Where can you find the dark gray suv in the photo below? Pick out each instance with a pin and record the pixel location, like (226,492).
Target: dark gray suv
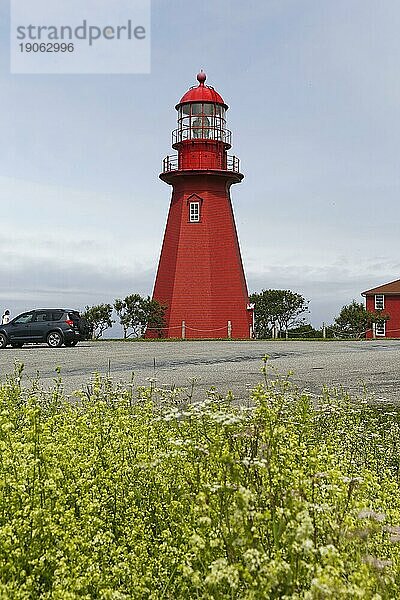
(56,326)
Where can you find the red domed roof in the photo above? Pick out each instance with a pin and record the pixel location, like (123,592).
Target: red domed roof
(202,93)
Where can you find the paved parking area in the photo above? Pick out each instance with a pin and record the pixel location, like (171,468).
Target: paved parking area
(372,366)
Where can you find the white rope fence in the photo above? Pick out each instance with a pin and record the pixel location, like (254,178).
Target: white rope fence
(183,328)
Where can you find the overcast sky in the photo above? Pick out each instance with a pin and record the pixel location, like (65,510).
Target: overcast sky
(314,93)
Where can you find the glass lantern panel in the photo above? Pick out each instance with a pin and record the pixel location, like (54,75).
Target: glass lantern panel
(185,122)
(209,109)
(197,108)
(219,123)
(201,126)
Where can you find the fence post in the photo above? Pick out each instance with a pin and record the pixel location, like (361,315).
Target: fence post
(183,330)
(374,330)
(323,331)
(229,329)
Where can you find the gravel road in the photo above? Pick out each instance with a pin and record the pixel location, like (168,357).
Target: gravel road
(232,365)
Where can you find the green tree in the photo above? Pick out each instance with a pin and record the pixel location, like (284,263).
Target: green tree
(305,331)
(138,313)
(155,316)
(99,318)
(277,307)
(354,320)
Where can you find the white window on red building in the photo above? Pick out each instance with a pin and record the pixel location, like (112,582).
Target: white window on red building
(379,301)
(194,212)
(380,328)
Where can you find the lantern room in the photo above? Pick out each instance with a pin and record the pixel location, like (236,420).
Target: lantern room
(201,137)
(201,115)
(201,121)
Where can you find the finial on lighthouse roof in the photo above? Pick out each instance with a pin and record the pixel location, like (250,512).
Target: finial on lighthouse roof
(201,93)
(201,77)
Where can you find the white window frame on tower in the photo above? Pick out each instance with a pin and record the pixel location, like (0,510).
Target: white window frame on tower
(380,329)
(194,212)
(379,301)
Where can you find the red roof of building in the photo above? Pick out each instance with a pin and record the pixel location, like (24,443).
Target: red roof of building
(388,288)
(202,93)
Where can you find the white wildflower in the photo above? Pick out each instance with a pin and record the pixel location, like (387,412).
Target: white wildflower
(222,572)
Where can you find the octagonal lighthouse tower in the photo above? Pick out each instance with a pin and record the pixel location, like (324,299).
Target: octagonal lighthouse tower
(200,275)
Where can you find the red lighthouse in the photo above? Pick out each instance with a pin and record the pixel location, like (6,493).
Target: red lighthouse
(200,275)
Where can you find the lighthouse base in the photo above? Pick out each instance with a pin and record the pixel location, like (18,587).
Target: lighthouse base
(200,276)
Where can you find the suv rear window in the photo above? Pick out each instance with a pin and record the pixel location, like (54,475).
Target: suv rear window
(56,315)
(75,316)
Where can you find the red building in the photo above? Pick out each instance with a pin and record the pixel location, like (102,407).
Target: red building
(200,275)
(385,298)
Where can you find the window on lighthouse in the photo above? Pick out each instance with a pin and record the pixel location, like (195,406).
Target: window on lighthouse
(194,212)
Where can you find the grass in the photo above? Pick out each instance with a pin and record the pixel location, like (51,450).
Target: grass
(142,493)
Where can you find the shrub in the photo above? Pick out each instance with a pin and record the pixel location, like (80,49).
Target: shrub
(144,493)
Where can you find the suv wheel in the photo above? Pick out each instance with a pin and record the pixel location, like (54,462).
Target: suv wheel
(3,340)
(54,339)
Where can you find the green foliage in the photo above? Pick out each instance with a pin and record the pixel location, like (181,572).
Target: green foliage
(305,331)
(155,316)
(144,494)
(138,313)
(99,318)
(277,307)
(354,320)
